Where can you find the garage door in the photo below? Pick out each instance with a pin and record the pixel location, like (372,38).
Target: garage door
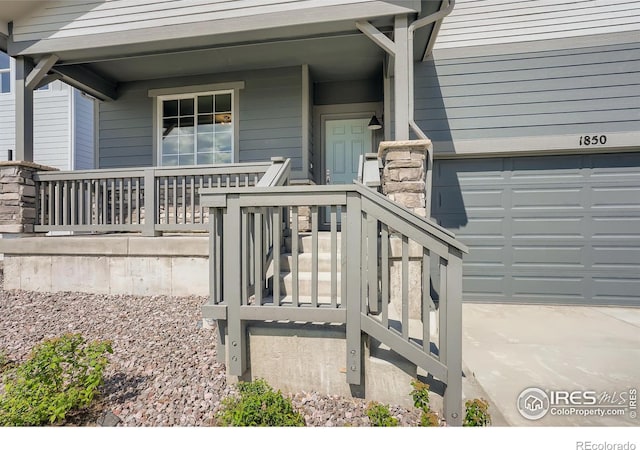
(560,229)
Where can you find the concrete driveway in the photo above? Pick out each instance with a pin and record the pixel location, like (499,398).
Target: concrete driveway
(576,356)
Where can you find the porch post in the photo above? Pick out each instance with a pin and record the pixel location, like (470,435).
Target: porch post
(401,78)
(24,110)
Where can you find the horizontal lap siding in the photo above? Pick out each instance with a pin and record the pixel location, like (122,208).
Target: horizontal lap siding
(270,118)
(51,125)
(7,126)
(547,93)
(560,229)
(71,19)
(84,132)
(487,22)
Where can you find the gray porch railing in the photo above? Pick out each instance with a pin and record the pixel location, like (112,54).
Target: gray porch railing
(370,238)
(148,200)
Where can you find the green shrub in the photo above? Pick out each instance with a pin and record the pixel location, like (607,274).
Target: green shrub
(380,416)
(477,413)
(420,396)
(4,361)
(60,375)
(258,405)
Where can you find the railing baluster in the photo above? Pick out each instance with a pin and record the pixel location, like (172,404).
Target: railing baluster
(442,314)
(105,199)
(90,194)
(343,255)
(384,246)
(81,201)
(426,300)
(174,185)
(334,256)
(138,206)
(372,263)
(259,249)
(112,217)
(200,202)
(121,199)
(184,199)
(277,228)
(244,223)
(192,200)
(166,200)
(129,218)
(314,256)
(73,199)
(294,257)
(57,203)
(405,287)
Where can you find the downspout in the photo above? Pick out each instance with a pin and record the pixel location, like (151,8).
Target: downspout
(431,18)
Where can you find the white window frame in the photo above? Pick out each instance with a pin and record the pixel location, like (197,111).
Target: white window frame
(159,95)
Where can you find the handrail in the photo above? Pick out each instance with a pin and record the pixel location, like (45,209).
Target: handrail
(256,274)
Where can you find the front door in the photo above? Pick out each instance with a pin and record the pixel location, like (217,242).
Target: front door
(345,141)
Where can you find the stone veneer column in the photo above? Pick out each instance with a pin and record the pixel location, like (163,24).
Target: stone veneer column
(18,196)
(404,176)
(405,180)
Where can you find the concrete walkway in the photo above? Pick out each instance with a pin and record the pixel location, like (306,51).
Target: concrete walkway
(509,348)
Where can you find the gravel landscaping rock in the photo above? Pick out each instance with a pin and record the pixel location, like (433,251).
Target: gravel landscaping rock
(163,370)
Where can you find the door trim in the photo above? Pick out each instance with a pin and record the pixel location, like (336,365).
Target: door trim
(336,112)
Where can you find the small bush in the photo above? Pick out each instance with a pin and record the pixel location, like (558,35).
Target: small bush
(420,395)
(380,416)
(60,375)
(258,405)
(4,361)
(477,413)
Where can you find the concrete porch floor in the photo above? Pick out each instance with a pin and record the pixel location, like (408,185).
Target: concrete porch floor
(509,348)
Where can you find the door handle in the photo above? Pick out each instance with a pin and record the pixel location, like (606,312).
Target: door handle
(328,177)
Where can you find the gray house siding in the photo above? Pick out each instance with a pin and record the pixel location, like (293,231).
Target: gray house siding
(83,131)
(487,22)
(270,122)
(548,99)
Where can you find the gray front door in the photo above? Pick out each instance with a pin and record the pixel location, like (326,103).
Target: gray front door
(345,141)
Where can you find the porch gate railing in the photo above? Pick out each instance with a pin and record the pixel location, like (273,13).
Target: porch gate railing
(147,200)
(376,237)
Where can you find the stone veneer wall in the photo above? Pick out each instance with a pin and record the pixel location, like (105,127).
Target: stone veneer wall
(18,196)
(404,176)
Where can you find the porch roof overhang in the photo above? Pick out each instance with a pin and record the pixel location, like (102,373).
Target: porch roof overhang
(332,46)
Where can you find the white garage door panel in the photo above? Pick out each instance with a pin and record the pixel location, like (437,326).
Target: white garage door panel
(561,229)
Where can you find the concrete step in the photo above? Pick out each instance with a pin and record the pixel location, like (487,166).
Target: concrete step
(305,262)
(305,242)
(304,283)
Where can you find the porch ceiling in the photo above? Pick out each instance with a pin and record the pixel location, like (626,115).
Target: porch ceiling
(348,56)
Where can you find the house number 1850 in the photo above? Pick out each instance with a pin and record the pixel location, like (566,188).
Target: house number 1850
(593,140)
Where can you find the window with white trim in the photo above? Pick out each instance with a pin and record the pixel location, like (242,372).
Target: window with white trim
(196,128)
(5,73)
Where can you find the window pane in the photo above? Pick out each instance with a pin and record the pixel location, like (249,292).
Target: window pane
(170,127)
(223,118)
(205,123)
(223,142)
(4,61)
(186,107)
(205,142)
(170,108)
(205,104)
(223,158)
(186,125)
(170,145)
(223,103)
(5,82)
(186,144)
(186,160)
(169,160)
(205,158)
